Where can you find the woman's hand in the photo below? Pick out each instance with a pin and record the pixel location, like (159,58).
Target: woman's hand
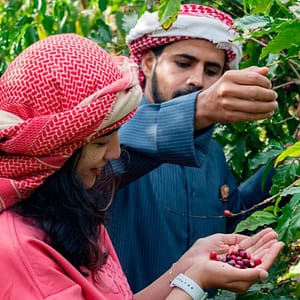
(215,274)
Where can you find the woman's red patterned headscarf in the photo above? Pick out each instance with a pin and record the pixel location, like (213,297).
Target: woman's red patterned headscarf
(55,97)
(193,21)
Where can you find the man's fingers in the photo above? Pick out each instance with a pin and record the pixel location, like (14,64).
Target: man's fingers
(247,92)
(248,106)
(230,117)
(263,71)
(260,70)
(249,77)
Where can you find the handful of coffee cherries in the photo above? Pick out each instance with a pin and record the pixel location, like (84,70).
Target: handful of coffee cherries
(237,258)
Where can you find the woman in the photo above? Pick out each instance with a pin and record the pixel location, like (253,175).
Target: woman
(61,103)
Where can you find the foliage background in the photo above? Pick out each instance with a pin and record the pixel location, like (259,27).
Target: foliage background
(270,36)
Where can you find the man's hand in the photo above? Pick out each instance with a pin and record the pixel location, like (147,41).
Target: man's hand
(239,95)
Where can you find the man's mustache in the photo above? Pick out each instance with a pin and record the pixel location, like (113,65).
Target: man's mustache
(185,91)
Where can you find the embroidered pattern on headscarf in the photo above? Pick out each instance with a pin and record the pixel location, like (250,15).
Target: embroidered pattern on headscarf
(56,96)
(193,21)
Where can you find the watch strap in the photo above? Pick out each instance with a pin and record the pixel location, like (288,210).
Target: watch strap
(189,286)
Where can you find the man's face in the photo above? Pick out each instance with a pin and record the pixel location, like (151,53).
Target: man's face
(183,67)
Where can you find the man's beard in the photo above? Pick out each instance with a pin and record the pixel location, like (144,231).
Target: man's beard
(158,96)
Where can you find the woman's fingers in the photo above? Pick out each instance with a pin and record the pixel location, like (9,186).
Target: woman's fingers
(259,240)
(270,256)
(234,279)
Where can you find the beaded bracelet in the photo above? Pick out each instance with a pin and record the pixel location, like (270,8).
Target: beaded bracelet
(171,271)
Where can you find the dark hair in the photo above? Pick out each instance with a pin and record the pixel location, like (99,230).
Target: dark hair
(70,215)
(158,50)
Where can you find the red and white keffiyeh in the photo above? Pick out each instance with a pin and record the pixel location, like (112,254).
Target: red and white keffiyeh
(193,21)
(56,96)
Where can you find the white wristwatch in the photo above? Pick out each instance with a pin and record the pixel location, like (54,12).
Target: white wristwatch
(189,286)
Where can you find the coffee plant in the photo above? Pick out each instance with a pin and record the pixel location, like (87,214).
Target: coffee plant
(269,31)
(270,37)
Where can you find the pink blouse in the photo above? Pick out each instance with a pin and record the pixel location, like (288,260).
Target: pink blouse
(31,269)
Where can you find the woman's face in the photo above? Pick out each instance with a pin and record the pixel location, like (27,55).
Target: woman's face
(95,155)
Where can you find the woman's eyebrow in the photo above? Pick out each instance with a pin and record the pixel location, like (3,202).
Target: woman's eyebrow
(110,132)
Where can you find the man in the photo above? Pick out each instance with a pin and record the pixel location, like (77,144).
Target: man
(157,217)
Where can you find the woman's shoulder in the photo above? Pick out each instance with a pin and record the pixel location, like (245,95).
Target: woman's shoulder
(16,278)
(16,226)
(17,236)
(31,265)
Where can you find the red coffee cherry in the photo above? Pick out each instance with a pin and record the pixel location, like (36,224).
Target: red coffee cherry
(213,255)
(227,212)
(237,258)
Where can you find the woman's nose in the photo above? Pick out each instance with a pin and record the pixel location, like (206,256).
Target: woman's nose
(113,150)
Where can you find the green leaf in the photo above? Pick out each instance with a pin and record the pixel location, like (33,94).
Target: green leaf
(103,31)
(285,175)
(102,4)
(251,22)
(128,21)
(264,157)
(272,63)
(292,151)
(289,221)
(291,191)
(256,220)
(260,6)
(167,12)
(294,271)
(47,23)
(295,9)
(287,36)
(40,5)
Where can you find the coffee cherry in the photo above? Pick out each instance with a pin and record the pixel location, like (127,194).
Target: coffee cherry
(257,261)
(227,212)
(237,258)
(213,255)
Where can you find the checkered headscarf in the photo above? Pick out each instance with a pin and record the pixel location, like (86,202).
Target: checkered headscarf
(193,21)
(56,96)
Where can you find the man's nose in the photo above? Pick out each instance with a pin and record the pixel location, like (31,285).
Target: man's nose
(196,78)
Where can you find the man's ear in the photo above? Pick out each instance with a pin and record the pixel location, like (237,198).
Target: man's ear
(148,63)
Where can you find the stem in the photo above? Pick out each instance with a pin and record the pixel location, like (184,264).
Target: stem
(83,4)
(290,62)
(285,84)
(266,201)
(284,121)
(294,63)
(257,41)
